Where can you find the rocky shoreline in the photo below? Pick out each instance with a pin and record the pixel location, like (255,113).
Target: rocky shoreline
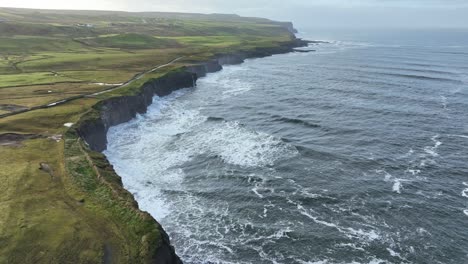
(93,127)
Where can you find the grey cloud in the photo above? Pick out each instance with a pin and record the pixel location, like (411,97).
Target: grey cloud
(318,13)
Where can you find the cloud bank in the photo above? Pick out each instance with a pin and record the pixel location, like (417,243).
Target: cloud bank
(306,13)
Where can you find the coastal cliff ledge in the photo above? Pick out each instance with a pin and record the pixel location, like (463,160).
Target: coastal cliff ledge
(90,134)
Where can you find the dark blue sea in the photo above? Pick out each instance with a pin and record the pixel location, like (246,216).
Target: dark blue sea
(354,153)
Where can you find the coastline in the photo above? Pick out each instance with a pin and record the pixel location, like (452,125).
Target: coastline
(117,110)
(92,129)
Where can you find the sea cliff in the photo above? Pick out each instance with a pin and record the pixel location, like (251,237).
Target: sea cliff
(117,110)
(94,126)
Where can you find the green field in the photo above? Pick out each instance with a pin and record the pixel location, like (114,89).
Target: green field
(74,209)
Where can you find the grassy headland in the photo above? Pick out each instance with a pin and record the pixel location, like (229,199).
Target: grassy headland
(59,201)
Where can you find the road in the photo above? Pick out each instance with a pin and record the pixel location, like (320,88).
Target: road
(110,89)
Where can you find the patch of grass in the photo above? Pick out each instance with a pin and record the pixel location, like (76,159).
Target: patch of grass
(27,44)
(40,222)
(37,95)
(108,59)
(131,41)
(18,26)
(99,76)
(48,121)
(32,78)
(230,41)
(209,41)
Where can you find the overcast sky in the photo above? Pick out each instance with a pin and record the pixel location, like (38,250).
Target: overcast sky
(305,13)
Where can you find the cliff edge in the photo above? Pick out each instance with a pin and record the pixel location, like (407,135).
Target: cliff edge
(113,111)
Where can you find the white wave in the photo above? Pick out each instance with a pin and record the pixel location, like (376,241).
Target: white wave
(430,195)
(227,87)
(408,154)
(351,43)
(397,186)
(236,145)
(465,193)
(265,212)
(335,46)
(255,190)
(230,141)
(436,141)
(352,233)
(414,172)
(353,246)
(460,136)
(367,235)
(306,193)
(393,253)
(316,220)
(379,261)
(397,182)
(466,212)
(424,162)
(444,101)
(236,87)
(423,231)
(431,152)
(313,262)
(326,261)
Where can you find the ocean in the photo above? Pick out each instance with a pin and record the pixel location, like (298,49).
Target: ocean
(354,153)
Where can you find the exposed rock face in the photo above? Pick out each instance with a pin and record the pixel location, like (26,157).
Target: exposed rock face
(118,110)
(200,70)
(230,59)
(166,253)
(94,133)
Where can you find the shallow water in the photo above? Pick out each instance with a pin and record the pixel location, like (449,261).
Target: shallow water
(356,153)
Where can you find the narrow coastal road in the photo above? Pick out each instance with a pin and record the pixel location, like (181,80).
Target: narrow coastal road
(137,77)
(110,89)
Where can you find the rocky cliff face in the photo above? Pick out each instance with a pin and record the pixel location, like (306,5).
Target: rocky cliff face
(200,70)
(117,110)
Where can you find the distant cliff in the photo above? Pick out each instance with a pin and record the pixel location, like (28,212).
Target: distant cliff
(289,26)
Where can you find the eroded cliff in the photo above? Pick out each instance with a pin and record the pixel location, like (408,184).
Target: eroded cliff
(93,127)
